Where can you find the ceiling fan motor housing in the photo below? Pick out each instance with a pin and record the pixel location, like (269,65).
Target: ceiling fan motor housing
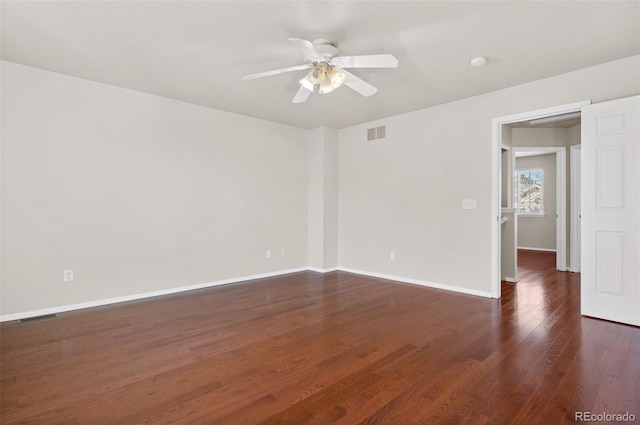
(325,47)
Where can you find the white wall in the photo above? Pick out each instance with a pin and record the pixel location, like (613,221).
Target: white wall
(404,193)
(315,219)
(573,135)
(323,199)
(540,137)
(138,193)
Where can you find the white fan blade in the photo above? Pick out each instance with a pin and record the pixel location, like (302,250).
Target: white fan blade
(308,49)
(277,71)
(365,61)
(302,95)
(358,84)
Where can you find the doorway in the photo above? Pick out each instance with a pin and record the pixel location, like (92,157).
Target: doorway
(496,192)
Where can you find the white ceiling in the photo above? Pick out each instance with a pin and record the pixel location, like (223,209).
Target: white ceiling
(198,51)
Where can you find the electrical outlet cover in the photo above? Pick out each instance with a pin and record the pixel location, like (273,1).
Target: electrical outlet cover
(68,275)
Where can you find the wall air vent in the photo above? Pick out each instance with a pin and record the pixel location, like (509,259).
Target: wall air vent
(376,133)
(37,318)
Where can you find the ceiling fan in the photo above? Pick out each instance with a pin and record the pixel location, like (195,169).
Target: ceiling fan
(327,71)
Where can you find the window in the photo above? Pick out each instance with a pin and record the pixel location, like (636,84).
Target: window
(529,193)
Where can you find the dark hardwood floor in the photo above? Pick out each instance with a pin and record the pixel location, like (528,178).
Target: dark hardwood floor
(326,349)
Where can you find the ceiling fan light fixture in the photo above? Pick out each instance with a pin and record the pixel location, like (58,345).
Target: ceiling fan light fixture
(318,74)
(306,83)
(326,86)
(336,77)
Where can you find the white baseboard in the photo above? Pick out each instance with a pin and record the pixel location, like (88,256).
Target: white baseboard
(420,282)
(319,270)
(107,301)
(536,249)
(510,279)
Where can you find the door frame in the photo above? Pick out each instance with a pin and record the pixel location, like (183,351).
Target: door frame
(496,165)
(576,169)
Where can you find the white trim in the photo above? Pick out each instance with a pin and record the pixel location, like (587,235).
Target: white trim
(510,279)
(107,301)
(496,142)
(496,204)
(528,248)
(319,270)
(575,169)
(531,215)
(509,171)
(528,153)
(457,289)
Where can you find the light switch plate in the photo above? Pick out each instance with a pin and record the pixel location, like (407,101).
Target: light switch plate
(469,204)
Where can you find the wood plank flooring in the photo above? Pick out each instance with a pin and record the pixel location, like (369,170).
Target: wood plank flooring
(337,348)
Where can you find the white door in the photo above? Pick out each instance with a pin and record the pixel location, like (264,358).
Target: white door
(610,210)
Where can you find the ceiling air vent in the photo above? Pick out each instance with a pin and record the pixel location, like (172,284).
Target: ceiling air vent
(376,133)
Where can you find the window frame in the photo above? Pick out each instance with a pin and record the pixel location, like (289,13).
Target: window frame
(517,191)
